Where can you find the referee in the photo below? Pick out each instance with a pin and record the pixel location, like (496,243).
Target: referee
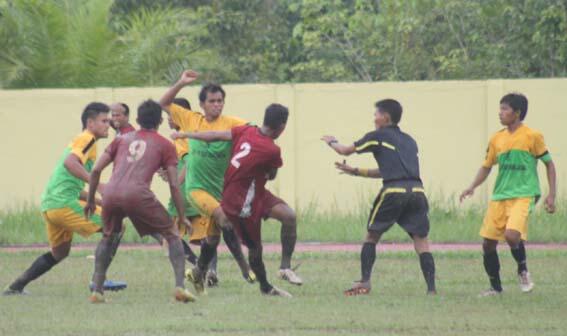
(402,199)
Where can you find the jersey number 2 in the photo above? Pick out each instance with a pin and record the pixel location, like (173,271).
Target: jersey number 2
(244,150)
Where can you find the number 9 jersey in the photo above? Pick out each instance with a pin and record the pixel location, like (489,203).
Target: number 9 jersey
(253,157)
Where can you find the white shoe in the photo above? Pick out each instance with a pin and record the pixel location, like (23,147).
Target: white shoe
(289,275)
(490,292)
(526,284)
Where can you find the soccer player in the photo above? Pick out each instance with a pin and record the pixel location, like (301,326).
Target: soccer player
(120,113)
(516,150)
(137,156)
(255,158)
(208,163)
(63,199)
(402,198)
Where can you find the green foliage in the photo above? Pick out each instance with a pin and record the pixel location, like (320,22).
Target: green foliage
(86,43)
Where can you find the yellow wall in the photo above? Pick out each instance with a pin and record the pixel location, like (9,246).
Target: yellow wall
(451,122)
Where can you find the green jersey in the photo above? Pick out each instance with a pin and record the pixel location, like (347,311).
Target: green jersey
(208,163)
(517,155)
(63,189)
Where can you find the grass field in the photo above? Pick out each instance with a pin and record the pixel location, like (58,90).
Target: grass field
(449,223)
(397,306)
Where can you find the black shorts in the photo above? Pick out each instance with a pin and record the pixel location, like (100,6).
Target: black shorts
(406,206)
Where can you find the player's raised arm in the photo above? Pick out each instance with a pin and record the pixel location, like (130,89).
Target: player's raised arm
(204,136)
(341,149)
(187,77)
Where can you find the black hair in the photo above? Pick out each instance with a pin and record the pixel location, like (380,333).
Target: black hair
(275,116)
(182,102)
(392,107)
(149,114)
(212,88)
(92,110)
(518,102)
(126,109)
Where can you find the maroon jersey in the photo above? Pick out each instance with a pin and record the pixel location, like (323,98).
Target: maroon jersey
(253,156)
(137,156)
(125,130)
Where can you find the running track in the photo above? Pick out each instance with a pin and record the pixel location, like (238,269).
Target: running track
(303,247)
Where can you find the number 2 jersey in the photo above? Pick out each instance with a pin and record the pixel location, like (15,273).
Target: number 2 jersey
(253,156)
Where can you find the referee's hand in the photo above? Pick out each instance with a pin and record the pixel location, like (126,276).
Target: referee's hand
(345,168)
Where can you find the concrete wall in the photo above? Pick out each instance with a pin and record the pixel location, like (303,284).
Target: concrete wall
(451,121)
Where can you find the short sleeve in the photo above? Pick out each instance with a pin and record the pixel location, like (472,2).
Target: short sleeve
(368,143)
(539,149)
(235,122)
(276,161)
(169,155)
(83,146)
(112,149)
(236,132)
(490,158)
(185,119)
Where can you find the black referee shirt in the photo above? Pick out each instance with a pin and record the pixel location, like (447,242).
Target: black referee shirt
(394,151)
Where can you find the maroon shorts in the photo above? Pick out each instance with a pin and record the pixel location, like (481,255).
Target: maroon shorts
(144,210)
(249,229)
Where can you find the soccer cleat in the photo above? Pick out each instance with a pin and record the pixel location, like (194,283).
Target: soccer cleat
(12,292)
(289,275)
(274,291)
(97,297)
(110,285)
(191,259)
(358,288)
(194,276)
(490,292)
(211,279)
(183,295)
(250,277)
(526,284)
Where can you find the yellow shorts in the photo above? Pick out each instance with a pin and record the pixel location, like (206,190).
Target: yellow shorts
(199,225)
(62,223)
(510,214)
(206,204)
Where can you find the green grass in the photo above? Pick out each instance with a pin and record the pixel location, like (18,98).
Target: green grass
(397,305)
(449,223)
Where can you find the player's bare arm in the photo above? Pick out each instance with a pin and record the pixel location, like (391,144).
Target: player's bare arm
(84,195)
(481,176)
(187,77)
(176,196)
(94,181)
(341,149)
(552,182)
(355,171)
(76,168)
(204,136)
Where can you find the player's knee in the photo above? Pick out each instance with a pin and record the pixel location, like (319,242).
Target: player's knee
(213,240)
(290,218)
(489,245)
(372,237)
(512,237)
